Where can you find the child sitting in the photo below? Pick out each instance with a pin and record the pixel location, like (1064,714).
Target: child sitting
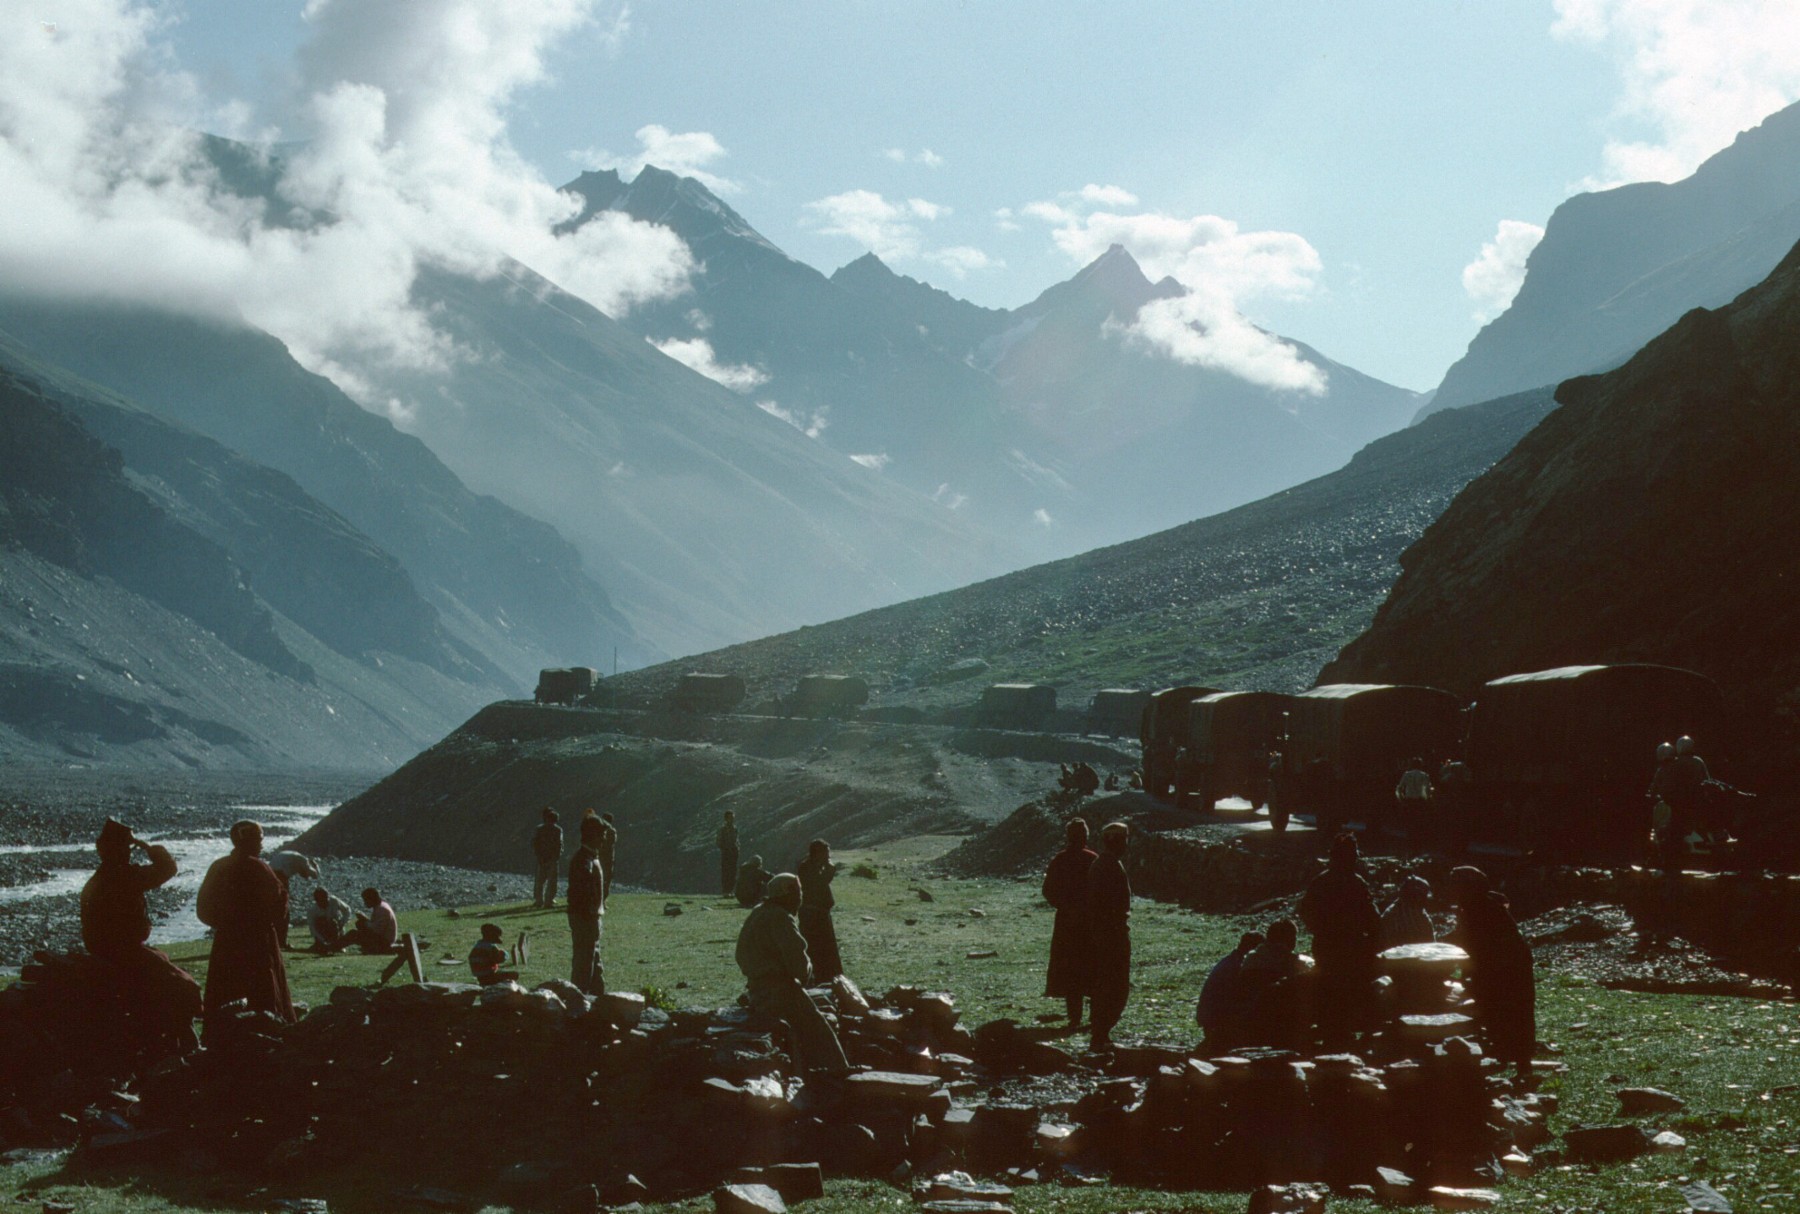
(486,958)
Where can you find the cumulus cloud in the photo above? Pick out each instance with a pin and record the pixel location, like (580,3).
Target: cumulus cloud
(1041,517)
(1695,73)
(891,229)
(696,353)
(877,461)
(812,425)
(684,153)
(406,165)
(1222,268)
(1494,277)
(924,156)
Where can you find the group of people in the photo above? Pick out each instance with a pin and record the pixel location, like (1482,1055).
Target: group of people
(589,881)
(1267,993)
(1090,942)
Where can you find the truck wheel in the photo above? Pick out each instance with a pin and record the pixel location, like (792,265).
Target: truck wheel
(1278,820)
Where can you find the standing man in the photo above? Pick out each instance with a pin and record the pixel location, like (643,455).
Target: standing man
(586,905)
(1339,911)
(162,998)
(727,840)
(546,848)
(609,848)
(1499,974)
(1109,936)
(816,901)
(242,901)
(1412,798)
(1065,889)
(772,955)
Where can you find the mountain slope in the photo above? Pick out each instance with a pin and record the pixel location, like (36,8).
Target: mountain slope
(1618,267)
(1255,597)
(507,586)
(1651,518)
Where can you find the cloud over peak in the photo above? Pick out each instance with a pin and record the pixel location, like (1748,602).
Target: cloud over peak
(891,229)
(684,153)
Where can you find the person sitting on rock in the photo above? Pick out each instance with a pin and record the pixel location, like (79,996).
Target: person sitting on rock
(772,955)
(160,997)
(327,919)
(752,882)
(1276,986)
(1407,921)
(377,930)
(488,957)
(1223,1003)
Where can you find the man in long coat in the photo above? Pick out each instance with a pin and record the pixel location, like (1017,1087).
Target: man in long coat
(816,900)
(241,899)
(772,955)
(162,998)
(1340,912)
(1065,889)
(1109,936)
(1500,977)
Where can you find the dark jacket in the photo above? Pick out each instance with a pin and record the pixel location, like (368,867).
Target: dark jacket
(770,949)
(815,883)
(586,892)
(547,842)
(1065,888)
(114,912)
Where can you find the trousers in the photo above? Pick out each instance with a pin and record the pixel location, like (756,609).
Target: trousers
(815,1045)
(585,969)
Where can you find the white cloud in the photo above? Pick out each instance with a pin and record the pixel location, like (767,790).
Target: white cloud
(949,497)
(1005,221)
(924,156)
(891,229)
(406,165)
(684,153)
(877,462)
(696,353)
(1695,73)
(1222,267)
(1494,277)
(812,425)
(1041,517)
(1107,195)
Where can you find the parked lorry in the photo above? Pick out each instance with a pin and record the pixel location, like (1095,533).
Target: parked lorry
(827,695)
(708,693)
(1231,736)
(1162,732)
(1348,743)
(1116,711)
(1016,705)
(566,684)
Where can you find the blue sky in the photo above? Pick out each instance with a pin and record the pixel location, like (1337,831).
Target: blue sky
(1384,140)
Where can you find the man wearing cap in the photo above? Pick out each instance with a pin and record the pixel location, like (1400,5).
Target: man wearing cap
(241,899)
(586,905)
(1109,936)
(161,997)
(772,955)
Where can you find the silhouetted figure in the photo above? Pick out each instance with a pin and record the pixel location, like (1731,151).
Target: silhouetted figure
(1339,911)
(772,955)
(727,841)
(487,960)
(291,866)
(816,900)
(1066,889)
(1109,936)
(1412,804)
(1277,984)
(161,998)
(752,882)
(242,901)
(1224,997)
(546,849)
(586,906)
(328,919)
(1455,798)
(1407,921)
(609,851)
(1499,975)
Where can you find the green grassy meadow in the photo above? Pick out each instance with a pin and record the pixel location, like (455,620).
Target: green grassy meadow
(1736,1062)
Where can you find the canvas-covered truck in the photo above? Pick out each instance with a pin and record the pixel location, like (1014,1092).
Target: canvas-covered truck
(1562,758)
(1348,743)
(1162,731)
(566,684)
(1230,737)
(1115,711)
(827,695)
(1016,705)
(708,693)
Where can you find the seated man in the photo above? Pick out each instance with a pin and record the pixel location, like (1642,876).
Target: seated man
(1277,990)
(327,920)
(378,931)
(772,955)
(161,998)
(488,957)
(1220,1011)
(752,881)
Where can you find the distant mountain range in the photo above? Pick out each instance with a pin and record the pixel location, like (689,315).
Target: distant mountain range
(1618,267)
(1652,517)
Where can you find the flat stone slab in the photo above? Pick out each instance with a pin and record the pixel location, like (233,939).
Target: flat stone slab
(1702,1198)
(1635,1102)
(1434,954)
(748,1199)
(894,1085)
(1443,1197)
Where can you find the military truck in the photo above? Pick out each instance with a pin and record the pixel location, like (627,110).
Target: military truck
(709,693)
(566,685)
(1562,758)
(1230,736)
(1016,705)
(1116,711)
(1348,743)
(827,695)
(1162,731)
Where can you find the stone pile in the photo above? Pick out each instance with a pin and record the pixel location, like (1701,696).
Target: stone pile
(549,1099)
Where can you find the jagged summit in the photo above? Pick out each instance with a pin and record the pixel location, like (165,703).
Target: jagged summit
(1113,282)
(683,204)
